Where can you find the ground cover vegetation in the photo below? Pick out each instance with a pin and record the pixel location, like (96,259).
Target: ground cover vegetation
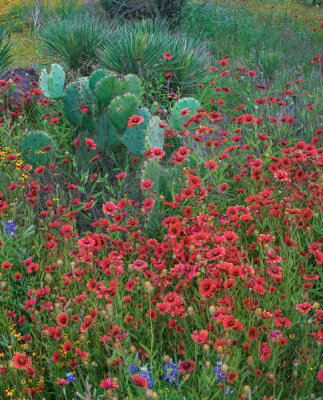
(161,200)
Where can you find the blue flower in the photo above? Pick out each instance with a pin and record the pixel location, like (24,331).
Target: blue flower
(133,369)
(10,228)
(70,377)
(145,374)
(227,390)
(171,372)
(220,374)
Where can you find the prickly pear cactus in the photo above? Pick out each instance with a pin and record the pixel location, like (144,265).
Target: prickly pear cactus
(177,119)
(154,134)
(121,109)
(134,138)
(52,84)
(37,148)
(110,86)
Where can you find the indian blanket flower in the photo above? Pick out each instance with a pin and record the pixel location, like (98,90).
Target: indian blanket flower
(135,120)
(304,308)
(139,381)
(186,366)
(62,319)
(20,361)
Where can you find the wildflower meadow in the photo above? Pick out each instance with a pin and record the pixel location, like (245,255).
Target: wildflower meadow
(161,220)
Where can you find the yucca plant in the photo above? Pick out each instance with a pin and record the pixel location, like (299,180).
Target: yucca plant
(134,52)
(138,48)
(5,53)
(74,42)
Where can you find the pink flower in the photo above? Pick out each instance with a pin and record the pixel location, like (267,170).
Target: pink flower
(90,143)
(186,366)
(109,208)
(146,184)
(135,120)
(108,384)
(121,176)
(168,56)
(200,337)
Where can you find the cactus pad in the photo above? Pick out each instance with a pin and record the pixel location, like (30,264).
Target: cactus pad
(121,109)
(52,84)
(177,120)
(154,134)
(37,148)
(134,138)
(96,77)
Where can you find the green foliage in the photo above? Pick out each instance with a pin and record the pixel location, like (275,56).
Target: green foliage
(73,42)
(269,63)
(33,148)
(6,47)
(52,85)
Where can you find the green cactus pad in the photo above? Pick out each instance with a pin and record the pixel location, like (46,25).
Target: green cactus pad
(132,84)
(121,109)
(108,88)
(52,84)
(107,134)
(178,120)
(151,171)
(154,134)
(96,77)
(134,138)
(32,148)
(79,92)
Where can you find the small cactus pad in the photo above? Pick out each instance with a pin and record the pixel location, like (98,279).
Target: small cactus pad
(177,120)
(154,134)
(37,148)
(108,88)
(79,92)
(121,109)
(134,138)
(96,77)
(52,85)
(132,84)
(107,133)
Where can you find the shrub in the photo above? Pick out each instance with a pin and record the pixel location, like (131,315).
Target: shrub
(129,8)
(5,53)
(170,9)
(73,42)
